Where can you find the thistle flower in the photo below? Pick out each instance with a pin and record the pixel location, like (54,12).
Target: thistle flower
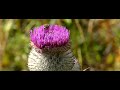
(51,50)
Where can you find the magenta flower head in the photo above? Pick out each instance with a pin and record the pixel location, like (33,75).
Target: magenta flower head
(49,36)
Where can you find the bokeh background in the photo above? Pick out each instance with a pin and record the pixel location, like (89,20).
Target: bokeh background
(95,42)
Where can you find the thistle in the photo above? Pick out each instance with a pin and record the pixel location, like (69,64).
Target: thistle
(51,49)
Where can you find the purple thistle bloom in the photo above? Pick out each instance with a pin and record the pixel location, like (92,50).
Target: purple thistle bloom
(51,49)
(49,36)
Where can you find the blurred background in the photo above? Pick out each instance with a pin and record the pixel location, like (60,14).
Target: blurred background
(95,42)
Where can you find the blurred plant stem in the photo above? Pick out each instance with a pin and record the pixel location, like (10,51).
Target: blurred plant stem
(90,25)
(82,38)
(2,43)
(80,29)
(90,29)
(117,60)
(4,33)
(80,58)
(1,49)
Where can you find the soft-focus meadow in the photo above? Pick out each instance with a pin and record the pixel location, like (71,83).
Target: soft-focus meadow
(95,42)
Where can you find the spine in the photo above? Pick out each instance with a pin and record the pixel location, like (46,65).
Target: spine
(52,62)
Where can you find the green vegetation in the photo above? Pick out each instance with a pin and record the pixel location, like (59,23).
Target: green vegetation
(95,42)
